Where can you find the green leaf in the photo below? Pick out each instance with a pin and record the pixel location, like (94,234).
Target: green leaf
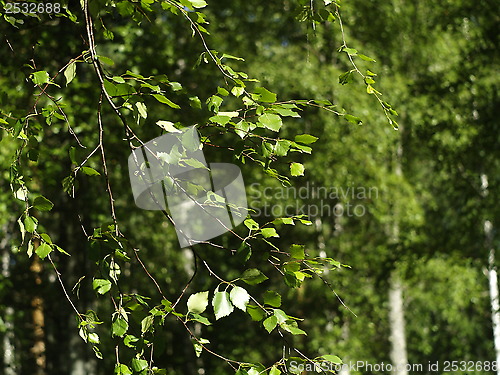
(164,100)
(168,126)
(118,79)
(40,78)
(346,77)
(139,364)
(43,250)
(143,110)
(30,223)
(198,3)
(332,358)
(106,60)
(271,121)
(366,58)
(201,319)
(272,298)
(90,171)
(280,314)
(222,305)
(285,112)
(264,95)
(240,298)
(46,238)
(214,103)
(130,341)
(350,51)
(195,102)
(256,313)
(219,119)
(284,220)
(274,371)
(270,323)
(292,329)
(70,72)
(269,232)
(122,369)
(198,345)
(176,86)
(30,249)
(237,91)
(61,250)
(281,147)
(253,276)
(291,280)
(297,169)
(42,204)
(94,338)
(241,128)
(232,57)
(101,286)
(297,251)
(222,91)
(147,323)
(251,224)
(306,138)
(119,327)
(198,302)
(353,119)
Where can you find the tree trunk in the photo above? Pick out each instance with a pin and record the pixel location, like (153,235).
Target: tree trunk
(399,357)
(492,277)
(495,306)
(397,323)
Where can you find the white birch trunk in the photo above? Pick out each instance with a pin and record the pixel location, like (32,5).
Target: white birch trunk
(492,278)
(398,355)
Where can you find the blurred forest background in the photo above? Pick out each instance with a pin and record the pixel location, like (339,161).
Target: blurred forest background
(420,244)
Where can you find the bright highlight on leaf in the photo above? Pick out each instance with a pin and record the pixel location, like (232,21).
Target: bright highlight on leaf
(70,72)
(271,121)
(143,110)
(198,3)
(168,126)
(101,286)
(297,169)
(269,232)
(198,302)
(251,224)
(239,297)
(222,305)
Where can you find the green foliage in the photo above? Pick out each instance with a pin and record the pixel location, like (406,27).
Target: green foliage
(66,113)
